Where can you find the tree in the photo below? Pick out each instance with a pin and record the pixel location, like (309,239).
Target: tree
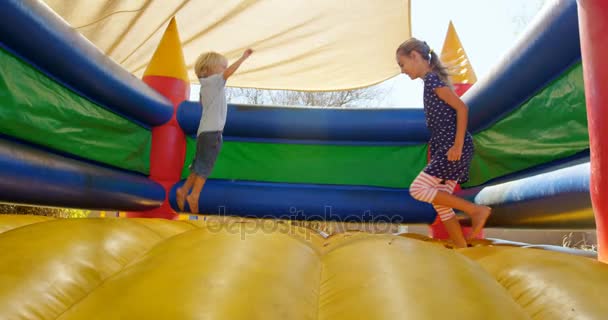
(349,98)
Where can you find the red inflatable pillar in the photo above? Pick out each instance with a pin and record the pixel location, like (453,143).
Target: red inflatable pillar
(167,74)
(593,29)
(462,77)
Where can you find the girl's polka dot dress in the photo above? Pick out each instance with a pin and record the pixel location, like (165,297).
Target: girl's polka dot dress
(441,122)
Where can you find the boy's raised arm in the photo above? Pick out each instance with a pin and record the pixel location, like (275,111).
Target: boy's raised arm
(233,67)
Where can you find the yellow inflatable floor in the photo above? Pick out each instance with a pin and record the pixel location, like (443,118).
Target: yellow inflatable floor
(158,269)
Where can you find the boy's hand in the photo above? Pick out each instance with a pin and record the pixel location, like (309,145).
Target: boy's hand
(230,70)
(247,53)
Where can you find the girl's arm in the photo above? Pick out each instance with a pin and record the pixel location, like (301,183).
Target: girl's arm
(233,67)
(462,113)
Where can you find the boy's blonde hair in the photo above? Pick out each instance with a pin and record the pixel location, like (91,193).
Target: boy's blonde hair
(206,62)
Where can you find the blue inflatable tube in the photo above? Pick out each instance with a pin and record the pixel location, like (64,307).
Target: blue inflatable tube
(33,176)
(547,49)
(558,182)
(558,200)
(33,32)
(321,125)
(310,202)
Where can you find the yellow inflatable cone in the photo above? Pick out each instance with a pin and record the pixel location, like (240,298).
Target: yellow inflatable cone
(455,58)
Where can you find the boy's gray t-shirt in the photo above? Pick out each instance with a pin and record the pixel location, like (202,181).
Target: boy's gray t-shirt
(213,100)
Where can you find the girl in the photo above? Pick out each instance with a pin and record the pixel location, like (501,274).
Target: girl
(450,144)
(212,70)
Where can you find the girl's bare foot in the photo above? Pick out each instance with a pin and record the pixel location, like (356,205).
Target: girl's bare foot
(193,202)
(478,220)
(180,196)
(452,226)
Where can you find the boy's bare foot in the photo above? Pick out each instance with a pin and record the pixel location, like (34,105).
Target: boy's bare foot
(478,220)
(193,202)
(180,196)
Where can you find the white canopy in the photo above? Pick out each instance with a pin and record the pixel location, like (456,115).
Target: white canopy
(299,44)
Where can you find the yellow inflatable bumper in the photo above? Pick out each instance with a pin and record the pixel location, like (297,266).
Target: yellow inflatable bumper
(159,269)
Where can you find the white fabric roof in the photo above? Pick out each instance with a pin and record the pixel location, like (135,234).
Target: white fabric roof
(300,44)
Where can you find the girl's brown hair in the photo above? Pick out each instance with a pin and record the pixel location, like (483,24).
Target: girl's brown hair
(425,51)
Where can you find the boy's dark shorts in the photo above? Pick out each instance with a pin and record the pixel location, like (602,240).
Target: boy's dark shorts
(208,145)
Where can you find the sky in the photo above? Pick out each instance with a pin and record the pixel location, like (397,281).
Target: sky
(487,30)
